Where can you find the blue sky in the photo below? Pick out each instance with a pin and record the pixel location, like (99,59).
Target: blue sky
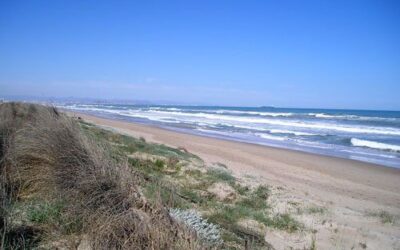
(330,54)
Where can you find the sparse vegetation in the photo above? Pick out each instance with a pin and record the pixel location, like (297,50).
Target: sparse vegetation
(313,243)
(384,216)
(186,188)
(216,174)
(363,245)
(315,210)
(117,190)
(285,222)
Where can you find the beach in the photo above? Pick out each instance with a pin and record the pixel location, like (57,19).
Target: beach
(351,193)
(364,135)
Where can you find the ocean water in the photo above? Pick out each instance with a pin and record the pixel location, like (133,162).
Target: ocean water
(364,135)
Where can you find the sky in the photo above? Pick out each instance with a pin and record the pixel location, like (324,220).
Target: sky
(312,54)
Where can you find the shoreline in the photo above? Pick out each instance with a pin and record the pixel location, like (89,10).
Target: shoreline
(363,136)
(335,151)
(271,147)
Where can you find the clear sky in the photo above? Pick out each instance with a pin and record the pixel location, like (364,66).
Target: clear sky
(337,54)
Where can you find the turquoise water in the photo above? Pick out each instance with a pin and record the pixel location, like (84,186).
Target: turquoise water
(365,135)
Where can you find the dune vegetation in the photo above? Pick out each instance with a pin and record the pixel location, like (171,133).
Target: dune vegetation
(69,184)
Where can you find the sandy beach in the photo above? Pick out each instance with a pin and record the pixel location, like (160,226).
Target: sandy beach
(351,195)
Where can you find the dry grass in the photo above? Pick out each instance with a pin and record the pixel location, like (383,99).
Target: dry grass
(44,154)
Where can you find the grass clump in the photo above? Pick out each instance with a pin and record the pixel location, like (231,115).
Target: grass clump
(228,215)
(285,222)
(384,216)
(132,145)
(252,203)
(261,192)
(316,210)
(242,190)
(220,175)
(159,164)
(45,212)
(191,195)
(253,206)
(257,199)
(314,243)
(169,196)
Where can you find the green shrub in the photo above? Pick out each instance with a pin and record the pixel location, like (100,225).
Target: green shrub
(285,222)
(262,192)
(159,164)
(242,190)
(315,210)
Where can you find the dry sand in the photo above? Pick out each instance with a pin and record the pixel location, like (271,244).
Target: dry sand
(336,199)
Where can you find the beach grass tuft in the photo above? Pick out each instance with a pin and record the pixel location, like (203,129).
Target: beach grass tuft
(315,210)
(384,216)
(220,175)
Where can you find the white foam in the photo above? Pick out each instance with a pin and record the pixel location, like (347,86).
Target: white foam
(245,127)
(273,114)
(279,131)
(161,108)
(238,120)
(354,117)
(369,154)
(322,115)
(270,137)
(374,144)
(297,124)
(88,108)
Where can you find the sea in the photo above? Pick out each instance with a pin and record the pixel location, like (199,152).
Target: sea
(363,135)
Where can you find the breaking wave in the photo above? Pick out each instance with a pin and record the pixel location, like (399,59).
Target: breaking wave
(374,145)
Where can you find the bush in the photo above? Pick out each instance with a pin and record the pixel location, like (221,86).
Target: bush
(159,164)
